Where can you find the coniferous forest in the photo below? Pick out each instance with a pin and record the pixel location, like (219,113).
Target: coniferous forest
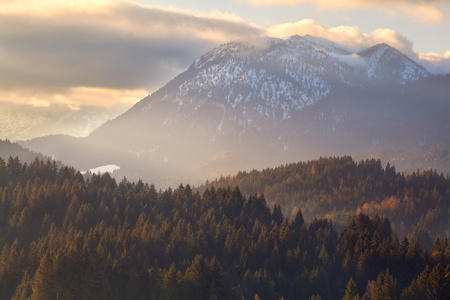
(64,236)
(417,204)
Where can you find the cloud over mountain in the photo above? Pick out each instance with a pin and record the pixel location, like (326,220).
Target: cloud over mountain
(120,45)
(112,53)
(353,37)
(347,36)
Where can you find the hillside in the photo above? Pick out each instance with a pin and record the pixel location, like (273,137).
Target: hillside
(9,149)
(66,238)
(417,204)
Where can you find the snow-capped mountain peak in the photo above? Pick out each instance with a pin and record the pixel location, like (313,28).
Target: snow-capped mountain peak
(252,85)
(225,51)
(242,106)
(384,61)
(327,45)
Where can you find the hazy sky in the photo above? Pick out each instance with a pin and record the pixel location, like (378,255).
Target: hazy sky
(113,53)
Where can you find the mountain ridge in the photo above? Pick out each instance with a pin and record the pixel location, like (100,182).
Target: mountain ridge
(243,106)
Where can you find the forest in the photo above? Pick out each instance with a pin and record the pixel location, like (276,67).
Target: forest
(417,204)
(64,236)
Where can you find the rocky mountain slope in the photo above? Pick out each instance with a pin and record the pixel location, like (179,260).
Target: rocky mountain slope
(242,106)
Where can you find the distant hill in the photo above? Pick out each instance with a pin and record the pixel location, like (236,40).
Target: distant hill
(9,149)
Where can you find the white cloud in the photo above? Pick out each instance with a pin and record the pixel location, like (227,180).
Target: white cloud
(436,63)
(427,11)
(423,12)
(36,102)
(349,37)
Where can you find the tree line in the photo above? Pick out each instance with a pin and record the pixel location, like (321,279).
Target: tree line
(63,236)
(416,203)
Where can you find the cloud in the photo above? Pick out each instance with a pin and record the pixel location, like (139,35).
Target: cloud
(344,3)
(341,2)
(106,53)
(422,12)
(54,47)
(426,11)
(436,63)
(349,37)
(75,97)
(35,102)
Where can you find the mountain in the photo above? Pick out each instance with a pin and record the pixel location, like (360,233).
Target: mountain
(243,106)
(387,63)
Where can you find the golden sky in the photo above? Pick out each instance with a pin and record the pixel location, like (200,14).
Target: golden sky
(113,53)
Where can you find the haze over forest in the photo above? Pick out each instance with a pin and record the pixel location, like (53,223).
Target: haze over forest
(243,106)
(67,68)
(244,149)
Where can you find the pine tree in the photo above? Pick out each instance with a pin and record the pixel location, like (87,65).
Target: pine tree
(298,220)
(196,279)
(171,283)
(23,290)
(217,286)
(277,214)
(386,287)
(43,282)
(351,291)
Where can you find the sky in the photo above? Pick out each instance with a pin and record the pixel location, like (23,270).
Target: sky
(110,54)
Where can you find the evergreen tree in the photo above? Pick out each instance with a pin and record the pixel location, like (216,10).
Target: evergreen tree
(386,287)
(171,284)
(277,214)
(69,238)
(196,279)
(351,290)
(44,280)
(23,290)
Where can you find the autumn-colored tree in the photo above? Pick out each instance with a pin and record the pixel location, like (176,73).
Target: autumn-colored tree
(66,236)
(386,287)
(351,290)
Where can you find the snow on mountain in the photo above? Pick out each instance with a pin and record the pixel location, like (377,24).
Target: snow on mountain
(326,45)
(249,85)
(243,106)
(386,62)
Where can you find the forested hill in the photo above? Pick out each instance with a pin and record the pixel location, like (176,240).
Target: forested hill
(9,149)
(64,237)
(337,187)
